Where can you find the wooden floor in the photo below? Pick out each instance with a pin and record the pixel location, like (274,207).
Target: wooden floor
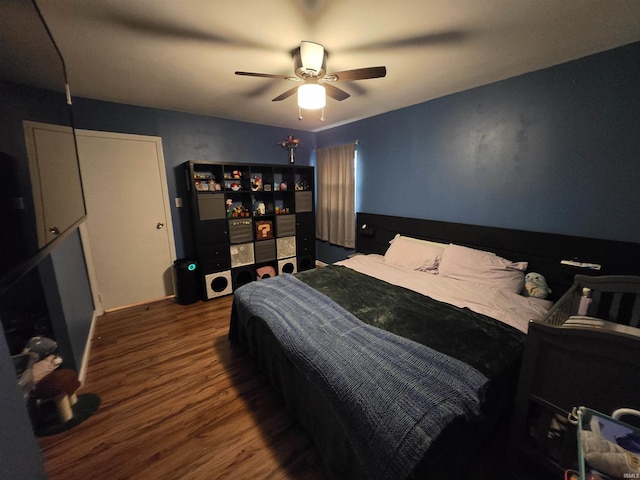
(178,402)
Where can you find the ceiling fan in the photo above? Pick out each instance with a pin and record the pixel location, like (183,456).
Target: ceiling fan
(310,68)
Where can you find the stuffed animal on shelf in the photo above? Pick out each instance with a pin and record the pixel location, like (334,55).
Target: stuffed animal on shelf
(536,285)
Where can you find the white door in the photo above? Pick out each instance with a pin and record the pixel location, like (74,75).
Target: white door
(130,247)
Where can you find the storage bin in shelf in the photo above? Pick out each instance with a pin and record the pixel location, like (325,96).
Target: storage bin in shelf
(241,254)
(304,202)
(211,207)
(286,247)
(241,230)
(265,251)
(218,284)
(285,225)
(287,265)
(264,229)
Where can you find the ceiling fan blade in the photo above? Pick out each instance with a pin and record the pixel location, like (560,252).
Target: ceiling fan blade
(335,92)
(268,75)
(312,56)
(357,74)
(450,37)
(286,94)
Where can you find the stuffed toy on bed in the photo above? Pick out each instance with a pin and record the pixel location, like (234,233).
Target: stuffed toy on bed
(536,285)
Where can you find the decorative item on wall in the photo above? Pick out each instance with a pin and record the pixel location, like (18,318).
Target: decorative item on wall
(290,144)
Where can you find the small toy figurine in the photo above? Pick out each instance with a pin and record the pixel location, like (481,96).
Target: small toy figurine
(229,204)
(536,285)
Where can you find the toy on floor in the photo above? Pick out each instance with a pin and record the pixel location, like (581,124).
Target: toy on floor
(42,346)
(59,386)
(48,359)
(45,381)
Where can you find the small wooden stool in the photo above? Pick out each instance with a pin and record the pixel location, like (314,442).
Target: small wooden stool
(59,386)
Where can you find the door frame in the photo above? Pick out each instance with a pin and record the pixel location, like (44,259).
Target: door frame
(84,229)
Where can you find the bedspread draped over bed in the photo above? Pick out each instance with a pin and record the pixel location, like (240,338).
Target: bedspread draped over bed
(382,358)
(393,401)
(394,367)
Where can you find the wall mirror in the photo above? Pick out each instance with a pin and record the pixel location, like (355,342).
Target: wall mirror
(40,187)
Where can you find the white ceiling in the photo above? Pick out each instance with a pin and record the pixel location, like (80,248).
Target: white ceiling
(182,54)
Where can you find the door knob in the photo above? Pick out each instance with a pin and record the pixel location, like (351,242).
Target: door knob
(54,230)
(159,225)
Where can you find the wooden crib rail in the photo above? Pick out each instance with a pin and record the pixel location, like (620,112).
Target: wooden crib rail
(615,298)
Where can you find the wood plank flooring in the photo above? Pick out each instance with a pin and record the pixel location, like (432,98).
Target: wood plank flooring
(178,402)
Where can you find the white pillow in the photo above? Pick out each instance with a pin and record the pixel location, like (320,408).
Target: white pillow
(469,264)
(419,240)
(414,254)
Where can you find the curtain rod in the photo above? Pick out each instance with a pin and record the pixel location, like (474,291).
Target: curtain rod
(356,142)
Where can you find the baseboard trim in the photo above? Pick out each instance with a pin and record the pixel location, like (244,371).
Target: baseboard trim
(87,349)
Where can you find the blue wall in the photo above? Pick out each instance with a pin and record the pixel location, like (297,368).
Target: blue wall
(557,150)
(553,151)
(74,290)
(192,137)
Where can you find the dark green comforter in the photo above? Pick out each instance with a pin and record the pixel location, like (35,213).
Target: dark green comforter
(486,344)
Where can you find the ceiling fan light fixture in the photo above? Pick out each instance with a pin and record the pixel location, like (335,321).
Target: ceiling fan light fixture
(312,96)
(313,57)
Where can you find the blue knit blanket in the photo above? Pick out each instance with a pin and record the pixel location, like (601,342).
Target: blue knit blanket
(392,396)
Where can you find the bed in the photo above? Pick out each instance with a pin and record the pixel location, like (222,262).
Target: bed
(399,365)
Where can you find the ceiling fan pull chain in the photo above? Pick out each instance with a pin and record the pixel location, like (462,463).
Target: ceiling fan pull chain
(322,115)
(300,113)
